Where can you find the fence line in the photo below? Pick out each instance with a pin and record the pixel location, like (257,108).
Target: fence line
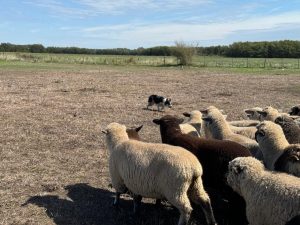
(200,61)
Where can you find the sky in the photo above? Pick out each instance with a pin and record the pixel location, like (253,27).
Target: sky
(146,23)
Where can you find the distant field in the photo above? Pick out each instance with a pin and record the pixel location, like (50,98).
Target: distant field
(198,61)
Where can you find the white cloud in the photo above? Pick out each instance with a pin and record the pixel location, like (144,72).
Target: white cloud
(167,33)
(111,7)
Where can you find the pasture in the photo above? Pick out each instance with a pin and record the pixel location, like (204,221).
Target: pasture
(121,60)
(53,161)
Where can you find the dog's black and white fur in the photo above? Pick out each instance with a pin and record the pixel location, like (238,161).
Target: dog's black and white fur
(160,101)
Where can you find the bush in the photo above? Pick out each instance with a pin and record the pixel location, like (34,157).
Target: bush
(184,53)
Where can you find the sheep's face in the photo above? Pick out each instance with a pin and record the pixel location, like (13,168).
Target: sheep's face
(240,169)
(295,110)
(282,120)
(268,113)
(253,113)
(267,131)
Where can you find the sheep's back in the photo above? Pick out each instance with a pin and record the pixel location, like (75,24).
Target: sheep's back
(214,156)
(151,169)
(277,195)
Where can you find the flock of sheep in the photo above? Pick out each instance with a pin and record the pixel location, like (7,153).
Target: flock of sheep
(249,170)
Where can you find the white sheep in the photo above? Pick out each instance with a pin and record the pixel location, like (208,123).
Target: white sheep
(195,119)
(253,118)
(273,145)
(245,131)
(270,113)
(219,128)
(156,171)
(188,129)
(252,113)
(272,198)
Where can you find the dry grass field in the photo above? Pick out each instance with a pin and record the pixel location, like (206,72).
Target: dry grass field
(53,161)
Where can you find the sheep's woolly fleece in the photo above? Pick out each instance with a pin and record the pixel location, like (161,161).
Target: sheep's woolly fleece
(271,197)
(156,171)
(272,142)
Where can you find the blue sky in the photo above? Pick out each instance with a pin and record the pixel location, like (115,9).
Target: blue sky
(146,23)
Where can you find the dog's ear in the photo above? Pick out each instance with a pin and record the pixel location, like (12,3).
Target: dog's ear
(156,121)
(186,114)
(138,128)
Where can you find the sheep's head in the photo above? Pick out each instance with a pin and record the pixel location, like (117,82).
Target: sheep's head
(195,114)
(253,113)
(270,135)
(115,133)
(133,132)
(268,113)
(295,110)
(241,169)
(168,119)
(168,125)
(284,119)
(212,115)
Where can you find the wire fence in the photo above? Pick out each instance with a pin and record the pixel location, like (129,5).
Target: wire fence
(199,61)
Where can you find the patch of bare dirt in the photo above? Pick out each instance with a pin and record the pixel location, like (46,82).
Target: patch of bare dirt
(53,162)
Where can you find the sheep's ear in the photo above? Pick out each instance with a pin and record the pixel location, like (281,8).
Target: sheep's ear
(207,119)
(222,111)
(237,169)
(156,121)
(295,117)
(248,111)
(186,114)
(204,111)
(181,120)
(263,113)
(138,128)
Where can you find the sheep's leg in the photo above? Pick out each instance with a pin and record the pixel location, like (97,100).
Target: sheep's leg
(136,204)
(199,196)
(149,104)
(182,203)
(117,199)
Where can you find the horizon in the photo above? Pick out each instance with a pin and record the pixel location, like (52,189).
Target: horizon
(146,23)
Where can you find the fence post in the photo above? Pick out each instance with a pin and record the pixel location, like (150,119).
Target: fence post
(247,62)
(298,63)
(265,62)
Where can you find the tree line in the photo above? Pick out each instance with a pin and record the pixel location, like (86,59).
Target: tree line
(263,49)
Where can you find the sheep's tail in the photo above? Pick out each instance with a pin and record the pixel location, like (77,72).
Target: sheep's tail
(198,195)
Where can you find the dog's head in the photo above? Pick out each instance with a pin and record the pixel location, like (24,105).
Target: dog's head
(168,102)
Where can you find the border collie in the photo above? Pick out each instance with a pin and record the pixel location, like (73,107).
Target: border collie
(160,101)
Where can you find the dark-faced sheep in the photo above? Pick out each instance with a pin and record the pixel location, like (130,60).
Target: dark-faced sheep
(290,128)
(214,156)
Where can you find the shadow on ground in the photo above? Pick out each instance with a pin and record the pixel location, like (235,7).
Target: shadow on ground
(89,205)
